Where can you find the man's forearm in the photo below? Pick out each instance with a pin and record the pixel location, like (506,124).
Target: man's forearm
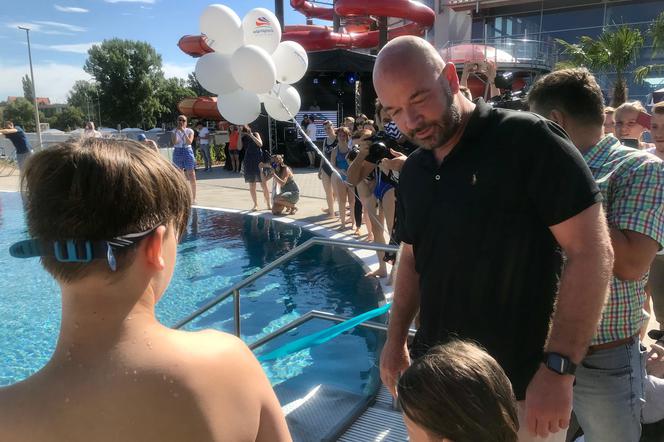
(406,302)
(583,290)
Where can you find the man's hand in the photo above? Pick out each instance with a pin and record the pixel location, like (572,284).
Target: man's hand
(548,402)
(394,360)
(655,362)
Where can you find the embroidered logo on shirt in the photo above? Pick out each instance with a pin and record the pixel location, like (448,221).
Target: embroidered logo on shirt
(474,180)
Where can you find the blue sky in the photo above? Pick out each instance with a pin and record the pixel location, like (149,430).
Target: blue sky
(63,30)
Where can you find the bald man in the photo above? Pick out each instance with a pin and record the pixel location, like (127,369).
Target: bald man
(485,206)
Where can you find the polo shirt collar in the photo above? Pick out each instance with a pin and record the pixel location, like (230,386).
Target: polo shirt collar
(597,155)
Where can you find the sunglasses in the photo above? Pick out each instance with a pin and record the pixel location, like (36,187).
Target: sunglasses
(79,251)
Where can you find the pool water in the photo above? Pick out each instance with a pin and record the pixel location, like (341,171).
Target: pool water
(218,250)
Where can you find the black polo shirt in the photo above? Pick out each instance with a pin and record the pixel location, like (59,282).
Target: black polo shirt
(479,224)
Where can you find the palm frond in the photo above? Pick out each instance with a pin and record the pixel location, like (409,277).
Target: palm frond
(656,32)
(642,72)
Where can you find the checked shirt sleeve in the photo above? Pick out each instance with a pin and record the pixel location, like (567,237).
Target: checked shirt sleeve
(638,202)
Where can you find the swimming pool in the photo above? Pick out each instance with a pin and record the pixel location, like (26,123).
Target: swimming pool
(218,250)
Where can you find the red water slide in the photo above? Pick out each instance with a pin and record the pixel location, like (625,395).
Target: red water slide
(360,15)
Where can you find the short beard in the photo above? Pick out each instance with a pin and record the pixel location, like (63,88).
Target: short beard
(444,129)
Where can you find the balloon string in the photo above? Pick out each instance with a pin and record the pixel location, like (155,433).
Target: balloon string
(324,158)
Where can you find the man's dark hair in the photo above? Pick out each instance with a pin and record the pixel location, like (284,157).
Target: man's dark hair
(98,189)
(459,392)
(574,92)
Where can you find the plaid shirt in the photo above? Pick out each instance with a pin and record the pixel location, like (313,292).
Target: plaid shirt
(632,185)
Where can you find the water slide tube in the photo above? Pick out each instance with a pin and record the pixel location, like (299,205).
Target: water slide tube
(201,107)
(358,35)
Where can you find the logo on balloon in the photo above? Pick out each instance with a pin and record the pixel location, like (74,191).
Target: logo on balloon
(262,21)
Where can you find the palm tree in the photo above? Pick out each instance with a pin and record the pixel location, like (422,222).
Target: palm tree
(613,50)
(656,33)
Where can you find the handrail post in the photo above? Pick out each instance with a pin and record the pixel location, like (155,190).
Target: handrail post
(236,311)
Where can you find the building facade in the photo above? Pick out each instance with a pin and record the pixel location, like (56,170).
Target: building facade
(506,23)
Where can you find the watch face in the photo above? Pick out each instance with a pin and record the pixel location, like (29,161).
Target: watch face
(557,363)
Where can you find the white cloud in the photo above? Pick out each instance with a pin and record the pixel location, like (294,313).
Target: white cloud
(147,2)
(52,80)
(77,48)
(71,9)
(66,26)
(177,70)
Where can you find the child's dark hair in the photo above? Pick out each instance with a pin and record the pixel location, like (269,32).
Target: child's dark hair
(457,391)
(98,189)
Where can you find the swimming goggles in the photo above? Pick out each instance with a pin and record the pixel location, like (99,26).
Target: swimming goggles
(78,250)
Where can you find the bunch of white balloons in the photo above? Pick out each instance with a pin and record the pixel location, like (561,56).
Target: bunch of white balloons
(247,62)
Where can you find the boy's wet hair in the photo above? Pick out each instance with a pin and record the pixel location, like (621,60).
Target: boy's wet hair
(98,189)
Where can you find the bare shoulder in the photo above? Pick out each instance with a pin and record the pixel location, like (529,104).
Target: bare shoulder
(19,412)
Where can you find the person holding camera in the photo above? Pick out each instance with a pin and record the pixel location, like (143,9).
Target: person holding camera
(254,155)
(486,69)
(289,191)
(378,163)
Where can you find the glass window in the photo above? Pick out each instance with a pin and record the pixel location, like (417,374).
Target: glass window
(573,18)
(571,36)
(513,25)
(477,31)
(629,12)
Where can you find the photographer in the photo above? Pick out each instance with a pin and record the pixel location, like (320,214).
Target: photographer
(484,68)
(379,159)
(289,191)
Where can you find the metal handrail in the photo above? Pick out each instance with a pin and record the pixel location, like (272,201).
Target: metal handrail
(316,314)
(234,291)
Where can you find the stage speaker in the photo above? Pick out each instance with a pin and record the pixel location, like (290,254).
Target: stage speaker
(290,134)
(294,154)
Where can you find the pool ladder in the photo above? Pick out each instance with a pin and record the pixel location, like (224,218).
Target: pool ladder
(234,291)
(381,421)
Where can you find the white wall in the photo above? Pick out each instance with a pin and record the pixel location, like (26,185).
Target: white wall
(452,26)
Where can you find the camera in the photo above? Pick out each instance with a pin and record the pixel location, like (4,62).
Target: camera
(380,147)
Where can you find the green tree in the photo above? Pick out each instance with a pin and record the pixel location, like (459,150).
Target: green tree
(170,92)
(70,118)
(27,88)
(656,33)
(612,51)
(129,74)
(22,113)
(194,85)
(83,95)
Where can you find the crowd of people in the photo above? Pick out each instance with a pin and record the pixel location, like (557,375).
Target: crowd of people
(530,248)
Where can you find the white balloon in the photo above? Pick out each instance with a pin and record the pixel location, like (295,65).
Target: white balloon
(253,69)
(290,98)
(239,107)
(291,62)
(213,72)
(222,28)
(261,28)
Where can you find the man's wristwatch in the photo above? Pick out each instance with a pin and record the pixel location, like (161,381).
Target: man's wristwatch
(558,363)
